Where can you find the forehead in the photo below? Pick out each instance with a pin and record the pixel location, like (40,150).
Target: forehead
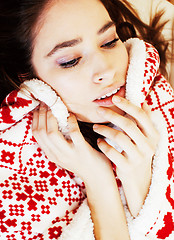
(66,17)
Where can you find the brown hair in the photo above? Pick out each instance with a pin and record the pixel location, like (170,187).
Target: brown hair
(16,31)
(18,19)
(16,35)
(129,25)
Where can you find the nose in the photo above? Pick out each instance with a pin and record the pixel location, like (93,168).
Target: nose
(102,69)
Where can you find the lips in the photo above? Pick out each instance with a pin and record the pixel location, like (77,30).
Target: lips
(106,100)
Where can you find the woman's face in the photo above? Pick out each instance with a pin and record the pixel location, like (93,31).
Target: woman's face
(77,52)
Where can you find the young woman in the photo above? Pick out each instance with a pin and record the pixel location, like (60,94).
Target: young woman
(102,182)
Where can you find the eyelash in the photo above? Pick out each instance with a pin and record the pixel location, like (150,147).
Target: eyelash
(71,63)
(75,61)
(110,44)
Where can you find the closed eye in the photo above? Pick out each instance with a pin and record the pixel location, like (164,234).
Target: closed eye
(71,63)
(75,61)
(110,44)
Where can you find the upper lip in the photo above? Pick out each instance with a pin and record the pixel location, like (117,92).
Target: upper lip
(108,90)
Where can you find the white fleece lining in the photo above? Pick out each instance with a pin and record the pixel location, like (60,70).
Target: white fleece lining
(81,227)
(43,92)
(137,57)
(153,203)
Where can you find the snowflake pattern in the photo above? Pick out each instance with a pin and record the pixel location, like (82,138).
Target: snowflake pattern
(37,191)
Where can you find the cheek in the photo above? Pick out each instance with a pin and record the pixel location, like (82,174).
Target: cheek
(121,58)
(66,83)
(67,87)
(124,59)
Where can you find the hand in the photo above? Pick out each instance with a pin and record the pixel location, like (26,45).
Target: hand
(138,140)
(94,168)
(76,155)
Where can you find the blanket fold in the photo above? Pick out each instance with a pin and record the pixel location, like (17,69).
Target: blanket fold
(40,200)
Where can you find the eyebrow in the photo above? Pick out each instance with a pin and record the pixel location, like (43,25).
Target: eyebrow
(106,27)
(74,42)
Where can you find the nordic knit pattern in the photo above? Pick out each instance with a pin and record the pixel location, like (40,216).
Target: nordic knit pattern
(42,201)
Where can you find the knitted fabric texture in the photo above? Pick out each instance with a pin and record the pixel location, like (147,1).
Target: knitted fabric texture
(40,200)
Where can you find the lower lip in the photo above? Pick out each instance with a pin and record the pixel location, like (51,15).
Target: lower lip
(107,102)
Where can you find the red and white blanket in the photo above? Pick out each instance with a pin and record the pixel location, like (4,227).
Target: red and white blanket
(40,200)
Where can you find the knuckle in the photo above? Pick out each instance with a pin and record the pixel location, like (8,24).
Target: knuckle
(141,113)
(117,134)
(42,112)
(110,114)
(128,123)
(51,133)
(41,131)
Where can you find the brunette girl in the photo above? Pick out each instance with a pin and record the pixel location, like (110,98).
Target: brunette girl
(109,175)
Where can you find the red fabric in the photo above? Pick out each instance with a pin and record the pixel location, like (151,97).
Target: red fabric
(37,198)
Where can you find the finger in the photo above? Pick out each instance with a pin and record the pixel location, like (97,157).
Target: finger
(35,120)
(117,158)
(146,108)
(52,124)
(141,116)
(118,137)
(45,130)
(153,134)
(48,137)
(127,125)
(41,130)
(53,134)
(74,131)
(142,119)
(136,112)
(41,140)
(36,128)
(42,126)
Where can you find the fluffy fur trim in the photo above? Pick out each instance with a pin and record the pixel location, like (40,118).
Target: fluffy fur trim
(44,93)
(134,83)
(155,199)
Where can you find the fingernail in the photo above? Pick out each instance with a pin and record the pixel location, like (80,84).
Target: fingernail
(99,140)
(95,126)
(116,99)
